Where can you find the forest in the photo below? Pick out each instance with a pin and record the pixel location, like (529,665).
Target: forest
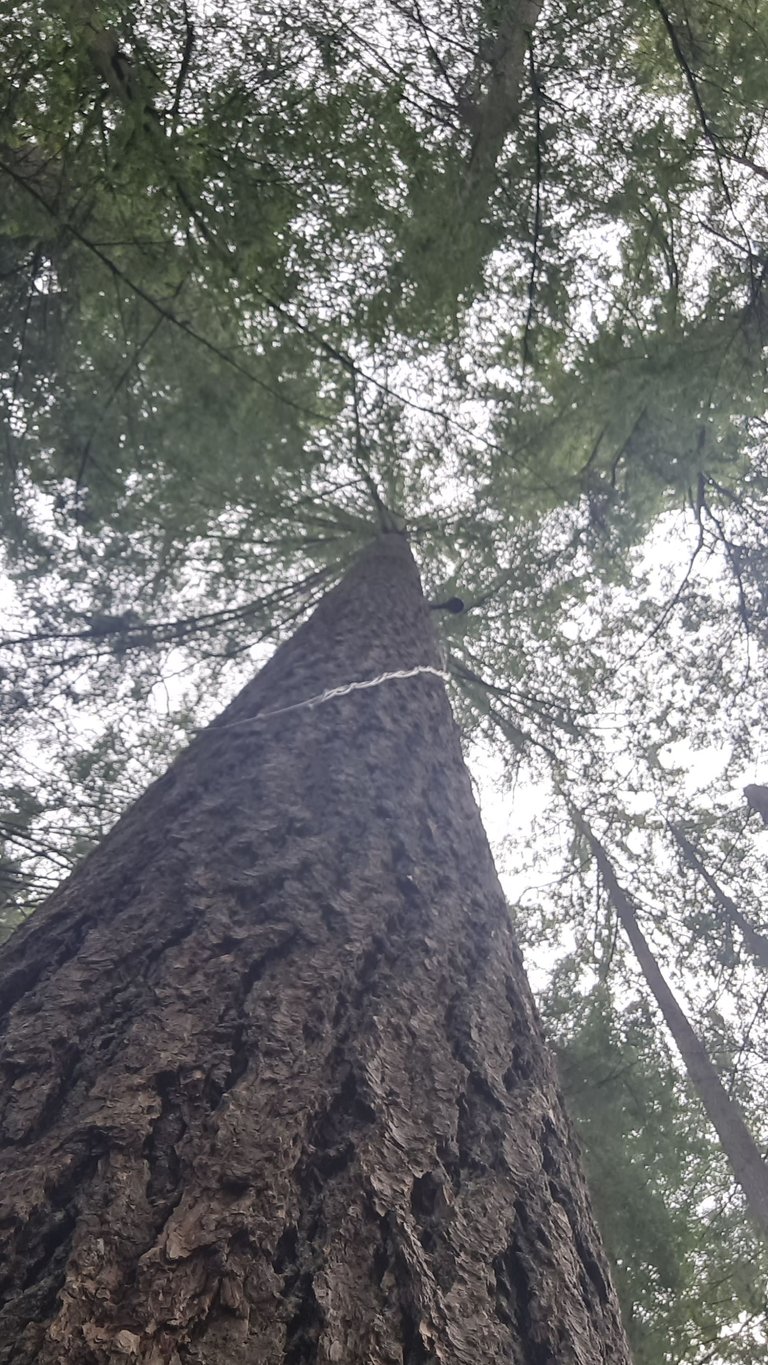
(281,283)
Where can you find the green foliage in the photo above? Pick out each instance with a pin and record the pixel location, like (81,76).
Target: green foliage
(684,1261)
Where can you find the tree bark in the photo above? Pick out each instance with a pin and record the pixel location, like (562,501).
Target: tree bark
(276,1089)
(749,1169)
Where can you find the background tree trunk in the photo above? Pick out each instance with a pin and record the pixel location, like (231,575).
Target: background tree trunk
(276,1090)
(722,1110)
(755,942)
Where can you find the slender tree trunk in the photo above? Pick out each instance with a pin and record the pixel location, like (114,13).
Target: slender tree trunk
(451,232)
(276,1090)
(749,1169)
(492,113)
(755,942)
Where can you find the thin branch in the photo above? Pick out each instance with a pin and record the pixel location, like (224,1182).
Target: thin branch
(756,942)
(709,135)
(731,556)
(111,396)
(186,56)
(141,293)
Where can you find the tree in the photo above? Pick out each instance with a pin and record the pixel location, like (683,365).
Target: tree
(749,1168)
(686,1263)
(755,942)
(276,1083)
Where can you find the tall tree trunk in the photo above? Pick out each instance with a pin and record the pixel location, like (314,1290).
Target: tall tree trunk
(492,112)
(451,231)
(755,942)
(749,1169)
(276,1089)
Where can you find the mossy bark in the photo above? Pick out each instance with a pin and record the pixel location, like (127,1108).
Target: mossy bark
(275,1086)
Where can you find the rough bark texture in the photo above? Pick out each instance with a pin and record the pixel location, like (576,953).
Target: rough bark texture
(275,1086)
(723,1112)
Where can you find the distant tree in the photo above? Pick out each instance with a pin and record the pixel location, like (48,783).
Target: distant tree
(749,1168)
(684,1262)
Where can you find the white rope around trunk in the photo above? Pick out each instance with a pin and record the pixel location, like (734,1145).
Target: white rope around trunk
(333,692)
